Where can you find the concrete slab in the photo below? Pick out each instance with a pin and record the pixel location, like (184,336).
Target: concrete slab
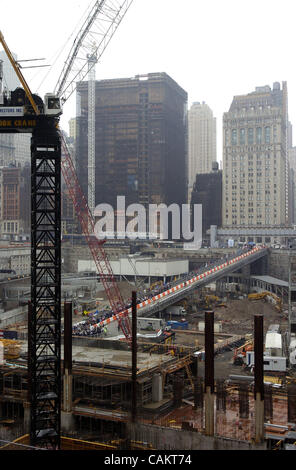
(118,358)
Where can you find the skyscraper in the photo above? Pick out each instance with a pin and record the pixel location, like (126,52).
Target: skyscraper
(292,165)
(140,140)
(72,128)
(202,151)
(255,159)
(10,200)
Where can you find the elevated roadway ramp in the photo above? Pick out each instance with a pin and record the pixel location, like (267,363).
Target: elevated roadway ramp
(169,297)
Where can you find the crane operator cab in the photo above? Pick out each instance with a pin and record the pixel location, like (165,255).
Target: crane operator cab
(52,105)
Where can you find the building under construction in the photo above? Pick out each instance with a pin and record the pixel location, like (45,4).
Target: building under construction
(171,400)
(116,394)
(140,140)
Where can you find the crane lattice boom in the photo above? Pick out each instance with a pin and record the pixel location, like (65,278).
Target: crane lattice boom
(94,36)
(96,247)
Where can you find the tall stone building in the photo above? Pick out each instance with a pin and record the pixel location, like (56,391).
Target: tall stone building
(292,174)
(25,200)
(140,140)
(255,159)
(10,220)
(202,146)
(72,128)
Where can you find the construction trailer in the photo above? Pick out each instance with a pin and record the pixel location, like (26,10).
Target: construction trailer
(270,363)
(273,341)
(152,324)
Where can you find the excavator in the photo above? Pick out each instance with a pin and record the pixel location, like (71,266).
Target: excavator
(266,295)
(209,301)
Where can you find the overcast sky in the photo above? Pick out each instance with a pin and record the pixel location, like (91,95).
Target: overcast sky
(214,49)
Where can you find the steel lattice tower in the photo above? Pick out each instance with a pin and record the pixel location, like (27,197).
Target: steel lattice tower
(44,341)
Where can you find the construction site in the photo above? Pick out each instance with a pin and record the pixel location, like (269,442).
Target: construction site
(138,350)
(154,393)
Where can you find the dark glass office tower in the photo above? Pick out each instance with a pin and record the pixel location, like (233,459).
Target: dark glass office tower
(140,140)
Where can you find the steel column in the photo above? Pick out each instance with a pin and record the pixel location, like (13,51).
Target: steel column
(134,356)
(259,379)
(209,373)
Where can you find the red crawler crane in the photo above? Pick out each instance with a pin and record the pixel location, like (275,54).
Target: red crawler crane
(96,246)
(97,29)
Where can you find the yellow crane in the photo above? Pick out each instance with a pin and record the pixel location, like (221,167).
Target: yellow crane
(19,74)
(51,102)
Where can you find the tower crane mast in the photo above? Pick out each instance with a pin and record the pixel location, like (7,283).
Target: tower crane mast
(95,34)
(41,119)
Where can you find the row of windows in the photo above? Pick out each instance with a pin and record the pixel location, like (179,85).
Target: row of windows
(251,158)
(235,181)
(10,227)
(249,136)
(259,213)
(267,220)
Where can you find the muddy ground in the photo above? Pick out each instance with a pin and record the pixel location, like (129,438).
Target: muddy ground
(238,316)
(237,319)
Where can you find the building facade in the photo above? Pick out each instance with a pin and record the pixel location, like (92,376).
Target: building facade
(25,200)
(292,165)
(202,146)
(22,149)
(140,140)
(10,201)
(7,149)
(256,188)
(72,128)
(207,191)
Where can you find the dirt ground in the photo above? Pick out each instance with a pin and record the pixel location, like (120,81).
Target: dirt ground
(238,316)
(237,319)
